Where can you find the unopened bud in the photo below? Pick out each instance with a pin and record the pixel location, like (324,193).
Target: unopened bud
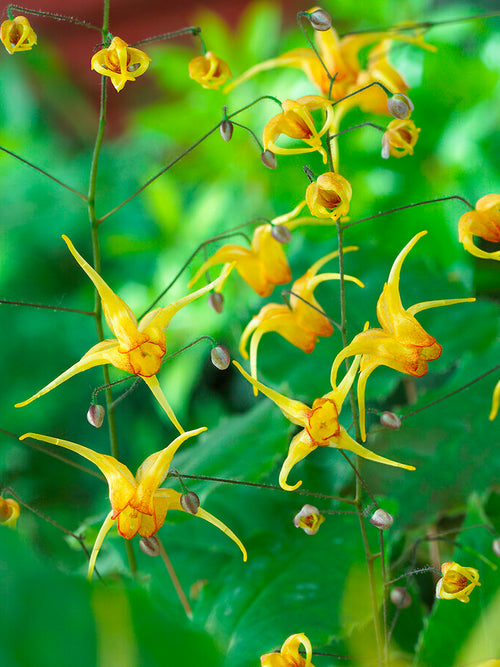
(268,159)
(226,130)
(150,546)
(216,301)
(190,502)
(320,20)
(281,234)
(220,357)
(95,415)
(400,106)
(309,519)
(386,153)
(390,420)
(400,597)
(381,519)
(496,546)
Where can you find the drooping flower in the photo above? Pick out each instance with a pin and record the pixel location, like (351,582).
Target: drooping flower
(320,424)
(209,71)
(400,138)
(296,121)
(138,505)
(120,62)
(17,35)
(457,582)
(9,512)
(484,221)
(289,655)
(300,323)
(329,196)
(495,404)
(138,347)
(401,343)
(309,519)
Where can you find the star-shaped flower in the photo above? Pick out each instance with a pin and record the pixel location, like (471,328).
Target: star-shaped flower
(484,222)
(457,582)
(138,505)
(289,655)
(209,71)
(120,62)
(17,35)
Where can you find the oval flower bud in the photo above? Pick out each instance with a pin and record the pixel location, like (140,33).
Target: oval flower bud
(400,597)
(190,502)
(320,20)
(220,357)
(216,301)
(209,71)
(226,130)
(390,420)
(9,512)
(496,546)
(17,35)
(381,519)
(281,233)
(400,106)
(329,196)
(399,139)
(150,546)
(309,519)
(95,415)
(268,159)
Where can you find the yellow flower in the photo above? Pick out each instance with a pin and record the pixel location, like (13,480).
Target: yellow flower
(454,584)
(9,512)
(309,519)
(496,401)
(320,424)
(120,62)
(401,343)
(138,347)
(329,196)
(17,35)
(300,324)
(399,138)
(289,655)
(341,57)
(138,505)
(295,121)
(209,71)
(483,222)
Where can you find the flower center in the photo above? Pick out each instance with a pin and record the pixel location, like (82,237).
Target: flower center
(454,582)
(323,422)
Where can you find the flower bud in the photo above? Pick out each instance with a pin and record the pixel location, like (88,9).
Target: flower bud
(226,130)
(400,597)
(150,546)
(95,415)
(400,106)
(309,519)
(268,159)
(190,502)
(496,546)
(281,233)
(381,519)
(220,357)
(390,420)
(216,301)
(320,20)
(9,512)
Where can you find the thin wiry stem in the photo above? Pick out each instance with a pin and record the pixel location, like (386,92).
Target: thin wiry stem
(175,580)
(39,305)
(50,15)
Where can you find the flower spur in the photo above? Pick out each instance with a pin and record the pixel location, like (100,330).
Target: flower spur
(138,348)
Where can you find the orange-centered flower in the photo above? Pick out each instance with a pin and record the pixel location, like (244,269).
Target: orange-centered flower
(9,512)
(457,582)
(289,655)
(296,122)
(138,347)
(300,323)
(138,505)
(17,35)
(400,138)
(401,343)
(484,221)
(329,196)
(320,424)
(120,62)
(209,71)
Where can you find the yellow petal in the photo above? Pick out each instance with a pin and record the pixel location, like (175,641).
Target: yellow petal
(300,446)
(425,305)
(154,385)
(496,402)
(106,526)
(344,441)
(290,650)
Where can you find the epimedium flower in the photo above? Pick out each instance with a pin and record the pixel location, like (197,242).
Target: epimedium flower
(299,323)
(209,71)
(400,138)
(120,62)
(320,425)
(309,519)
(457,582)
(138,505)
(329,196)
(9,512)
(402,343)
(138,348)
(289,655)
(17,35)
(296,121)
(484,222)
